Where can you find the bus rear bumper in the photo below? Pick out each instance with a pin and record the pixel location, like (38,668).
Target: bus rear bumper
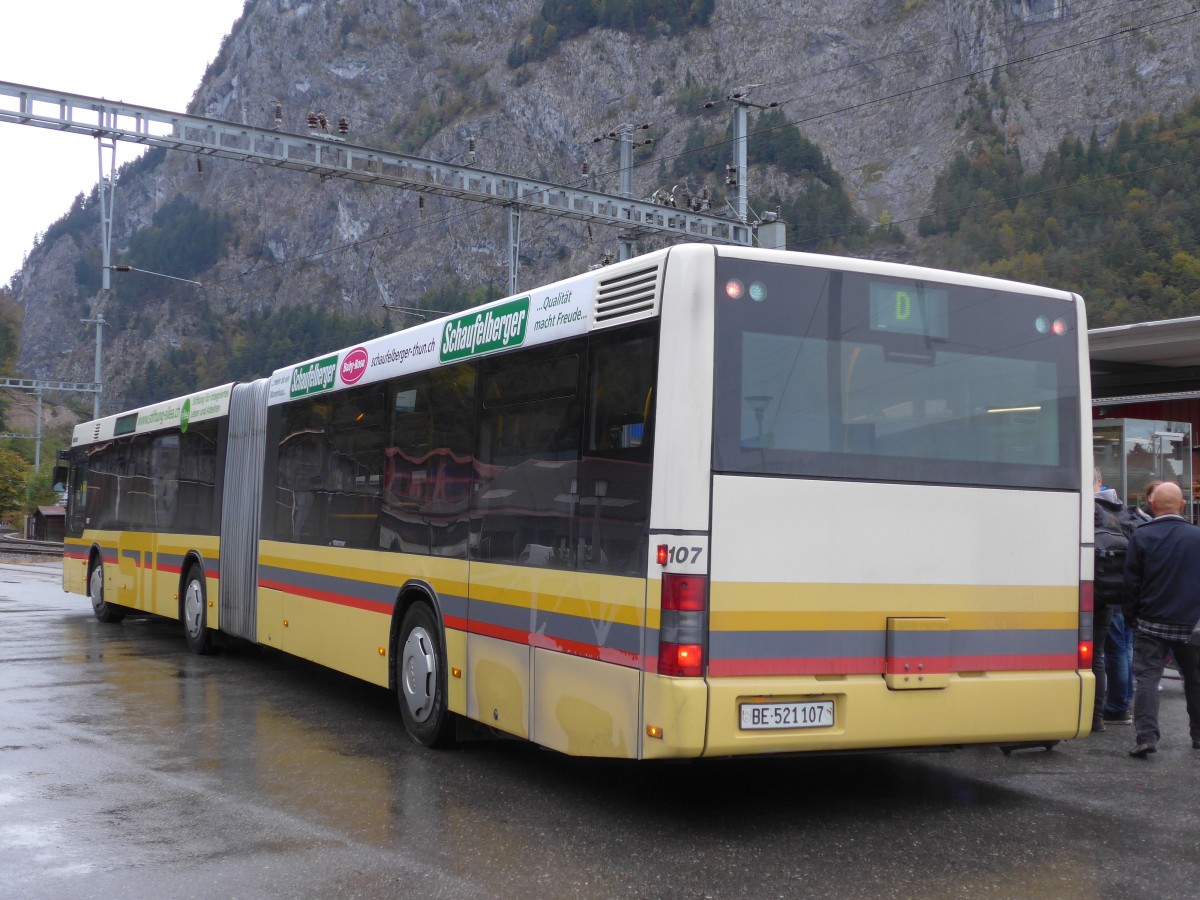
(984,708)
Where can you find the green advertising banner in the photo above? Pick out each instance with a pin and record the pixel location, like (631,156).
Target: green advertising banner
(493,329)
(314,377)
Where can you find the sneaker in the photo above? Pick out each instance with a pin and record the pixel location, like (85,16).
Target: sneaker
(1141,751)
(1097,726)
(1196,745)
(1119,718)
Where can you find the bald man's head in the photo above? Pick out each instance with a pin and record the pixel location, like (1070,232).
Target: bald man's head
(1167,499)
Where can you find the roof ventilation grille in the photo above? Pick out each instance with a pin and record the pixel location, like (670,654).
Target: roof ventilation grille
(629,295)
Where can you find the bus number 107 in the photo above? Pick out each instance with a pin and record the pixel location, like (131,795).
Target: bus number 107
(680,556)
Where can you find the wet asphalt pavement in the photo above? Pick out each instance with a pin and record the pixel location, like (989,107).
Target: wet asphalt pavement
(130,768)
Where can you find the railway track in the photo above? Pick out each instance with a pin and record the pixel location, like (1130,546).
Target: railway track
(10,547)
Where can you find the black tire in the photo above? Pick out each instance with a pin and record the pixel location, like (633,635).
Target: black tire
(105,611)
(193,611)
(421,679)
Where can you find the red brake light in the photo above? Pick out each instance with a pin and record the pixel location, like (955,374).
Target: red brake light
(1086,611)
(684,592)
(683,625)
(681,659)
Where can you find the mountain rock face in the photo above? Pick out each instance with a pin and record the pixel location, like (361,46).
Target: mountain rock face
(885,88)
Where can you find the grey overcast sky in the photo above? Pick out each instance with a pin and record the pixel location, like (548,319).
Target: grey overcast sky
(145,52)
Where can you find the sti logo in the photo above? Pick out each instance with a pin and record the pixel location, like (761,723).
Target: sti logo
(354,366)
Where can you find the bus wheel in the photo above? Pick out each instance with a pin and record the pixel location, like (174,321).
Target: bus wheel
(194,609)
(105,612)
(421,679)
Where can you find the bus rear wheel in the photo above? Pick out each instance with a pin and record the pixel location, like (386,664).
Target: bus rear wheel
(194,612)
(421,679)
(105,611)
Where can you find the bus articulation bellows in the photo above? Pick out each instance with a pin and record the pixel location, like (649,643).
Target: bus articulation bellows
(708,501)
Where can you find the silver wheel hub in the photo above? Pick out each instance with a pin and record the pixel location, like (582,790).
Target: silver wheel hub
(193,609)
(418,674)
(96,588)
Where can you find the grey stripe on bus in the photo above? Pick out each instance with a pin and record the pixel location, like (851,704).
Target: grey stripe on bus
(369,591)
(858,644)
(917,643)
(564,626)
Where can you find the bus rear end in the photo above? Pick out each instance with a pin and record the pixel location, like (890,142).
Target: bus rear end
(896,538)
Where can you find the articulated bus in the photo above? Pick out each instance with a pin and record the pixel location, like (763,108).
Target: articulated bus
(709,501)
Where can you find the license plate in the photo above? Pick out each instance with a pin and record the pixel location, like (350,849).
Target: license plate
(801,714)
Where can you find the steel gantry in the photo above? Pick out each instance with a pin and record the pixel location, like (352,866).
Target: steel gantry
(38,386)
(331,156)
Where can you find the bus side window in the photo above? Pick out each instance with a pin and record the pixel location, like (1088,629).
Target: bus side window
(620,396)
(614,475)
(330,469)
(527,450)
(77,502)
(428,465)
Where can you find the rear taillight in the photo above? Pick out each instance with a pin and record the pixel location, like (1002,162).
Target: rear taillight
(682,627)
(1086,612)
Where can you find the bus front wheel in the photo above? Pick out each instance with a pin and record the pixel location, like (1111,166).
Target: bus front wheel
(421,679)
(194,612)
(105,611)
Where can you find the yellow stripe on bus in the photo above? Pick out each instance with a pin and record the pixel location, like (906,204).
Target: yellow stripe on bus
(897,599)
(837,621)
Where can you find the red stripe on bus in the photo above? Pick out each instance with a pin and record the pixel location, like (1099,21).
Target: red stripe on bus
(562,645)
(327,597)
(515,635)
(935,665)
(1016,662)
(214,574)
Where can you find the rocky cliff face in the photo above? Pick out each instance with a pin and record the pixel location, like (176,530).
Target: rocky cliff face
(884,87)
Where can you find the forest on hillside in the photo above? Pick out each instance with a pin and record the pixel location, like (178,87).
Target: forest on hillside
(10,334)
(1117,223)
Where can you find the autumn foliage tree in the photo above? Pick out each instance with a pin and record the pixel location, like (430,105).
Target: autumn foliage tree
(1116,221)
(14,473)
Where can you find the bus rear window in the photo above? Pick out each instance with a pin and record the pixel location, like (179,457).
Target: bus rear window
(829,374)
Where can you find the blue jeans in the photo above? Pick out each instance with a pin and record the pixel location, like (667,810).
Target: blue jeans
(1118,666)
(1101,620)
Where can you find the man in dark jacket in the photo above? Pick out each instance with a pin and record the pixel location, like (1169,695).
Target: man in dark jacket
(1162,582)
(1112,530)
